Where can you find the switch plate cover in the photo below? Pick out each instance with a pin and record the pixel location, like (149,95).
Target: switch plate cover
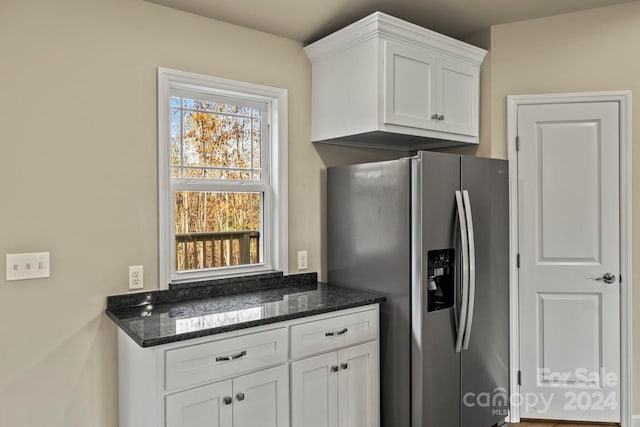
(27,266)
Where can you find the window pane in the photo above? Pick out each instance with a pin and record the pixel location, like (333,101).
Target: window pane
(216,140)
(219,141)
(175,137)
(197,104)
(218,174)
(257,135)
(216,229)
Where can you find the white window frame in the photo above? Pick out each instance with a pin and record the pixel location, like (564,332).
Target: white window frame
(275,203)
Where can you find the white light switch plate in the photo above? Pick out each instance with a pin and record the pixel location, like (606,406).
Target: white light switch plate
(27,266)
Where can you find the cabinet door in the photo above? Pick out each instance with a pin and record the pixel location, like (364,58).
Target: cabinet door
(409,86)
(201,407)
(358,386)
(458,97)
(314,391)
(262,399)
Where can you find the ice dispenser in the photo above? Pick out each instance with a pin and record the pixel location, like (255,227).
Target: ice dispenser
(440,279)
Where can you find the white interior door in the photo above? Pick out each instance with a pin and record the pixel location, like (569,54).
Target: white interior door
(569,240)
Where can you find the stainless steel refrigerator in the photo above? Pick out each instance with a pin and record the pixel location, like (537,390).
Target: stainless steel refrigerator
(431,233)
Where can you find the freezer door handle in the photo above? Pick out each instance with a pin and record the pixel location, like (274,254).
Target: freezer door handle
(462,323)
(472,267)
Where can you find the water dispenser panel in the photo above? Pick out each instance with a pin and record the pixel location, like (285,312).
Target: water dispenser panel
(440,279)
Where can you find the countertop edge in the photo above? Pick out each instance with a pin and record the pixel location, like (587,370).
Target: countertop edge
(238,326)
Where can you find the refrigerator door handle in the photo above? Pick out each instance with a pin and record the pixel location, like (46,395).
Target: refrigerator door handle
(465,272)
(472,267)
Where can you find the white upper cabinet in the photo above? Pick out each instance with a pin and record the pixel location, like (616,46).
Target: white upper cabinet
(383,82)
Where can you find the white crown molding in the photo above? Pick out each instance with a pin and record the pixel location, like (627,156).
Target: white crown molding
(381,25)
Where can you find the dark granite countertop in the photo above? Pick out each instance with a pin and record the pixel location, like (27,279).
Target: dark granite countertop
(160,317)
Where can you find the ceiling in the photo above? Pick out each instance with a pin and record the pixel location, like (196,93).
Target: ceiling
(309,20)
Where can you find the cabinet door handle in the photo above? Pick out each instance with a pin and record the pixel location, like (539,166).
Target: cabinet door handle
(344,365)
(441,118)
(227,400)
(334,368)
(243,353)
(336,333)
(240,396)
(435,117)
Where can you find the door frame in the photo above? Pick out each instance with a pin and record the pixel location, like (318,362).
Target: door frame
(623,98)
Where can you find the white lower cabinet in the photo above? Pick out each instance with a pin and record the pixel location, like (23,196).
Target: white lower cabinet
(243,378)
(258,399)
(337,389)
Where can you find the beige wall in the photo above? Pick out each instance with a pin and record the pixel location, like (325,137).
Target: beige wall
(595,50)
(78,163)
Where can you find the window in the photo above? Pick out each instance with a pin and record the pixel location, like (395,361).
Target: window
(222,177)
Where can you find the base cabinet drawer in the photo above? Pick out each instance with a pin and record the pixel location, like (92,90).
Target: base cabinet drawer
(329,334)
(201,363)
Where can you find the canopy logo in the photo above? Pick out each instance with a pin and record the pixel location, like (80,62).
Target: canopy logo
(499,400)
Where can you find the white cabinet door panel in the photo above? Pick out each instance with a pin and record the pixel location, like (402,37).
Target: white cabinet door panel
(409,80)
(314,391)
(200,407)
(262,399)
(358,386)
(458,98)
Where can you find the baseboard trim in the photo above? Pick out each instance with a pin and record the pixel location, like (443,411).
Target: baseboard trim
(636,421)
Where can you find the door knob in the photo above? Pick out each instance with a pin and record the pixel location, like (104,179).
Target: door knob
(227,400)
(607,278)
(240,396)
(435,117)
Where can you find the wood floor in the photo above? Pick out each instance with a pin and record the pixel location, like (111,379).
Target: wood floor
(558,424)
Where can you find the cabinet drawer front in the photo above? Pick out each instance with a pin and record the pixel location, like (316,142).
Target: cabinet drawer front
(204,362)
(336,332)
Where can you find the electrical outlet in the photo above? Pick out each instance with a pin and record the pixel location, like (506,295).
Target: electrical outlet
(27,266)
(136,277)
(302,260)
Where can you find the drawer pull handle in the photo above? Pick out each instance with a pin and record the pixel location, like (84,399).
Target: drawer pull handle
(243,353)
(336,333)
